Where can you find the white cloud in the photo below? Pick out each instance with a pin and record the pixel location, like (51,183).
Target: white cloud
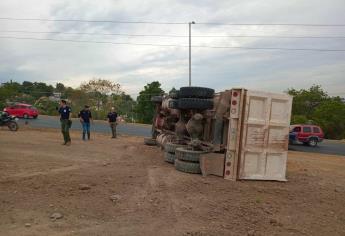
(134,66)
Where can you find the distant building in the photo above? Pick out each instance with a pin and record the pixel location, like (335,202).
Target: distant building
(55,97)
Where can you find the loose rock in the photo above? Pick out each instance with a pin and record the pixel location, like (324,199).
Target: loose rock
(115,197)
(56,216)
(251,232)
(84,187)
(27,225)
(273,221)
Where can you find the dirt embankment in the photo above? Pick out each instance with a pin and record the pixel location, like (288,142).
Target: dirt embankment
(121,187)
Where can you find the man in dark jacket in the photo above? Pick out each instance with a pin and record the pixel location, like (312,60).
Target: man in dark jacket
(112,116)
(65,114)
(85,118)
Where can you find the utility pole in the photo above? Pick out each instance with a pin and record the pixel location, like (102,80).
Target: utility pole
(190,52)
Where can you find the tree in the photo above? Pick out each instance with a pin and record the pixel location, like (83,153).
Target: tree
(99,89)
(305,101)
(60,88)
(145,108)
(173,90)
(299,119)
(313,105)
(27,87)
(46,106)
(330,115)
(124,105)
(40,89)
(8,93)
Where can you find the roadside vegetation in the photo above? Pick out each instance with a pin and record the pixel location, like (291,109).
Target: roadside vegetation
(310,106)
(315,106)
(99,94)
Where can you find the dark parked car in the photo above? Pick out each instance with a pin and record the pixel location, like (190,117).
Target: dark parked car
(307,134)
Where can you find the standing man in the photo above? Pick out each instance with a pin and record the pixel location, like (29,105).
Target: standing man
(112,116)
(85,118)
(65,113)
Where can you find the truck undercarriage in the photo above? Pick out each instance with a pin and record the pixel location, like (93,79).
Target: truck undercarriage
(236,133)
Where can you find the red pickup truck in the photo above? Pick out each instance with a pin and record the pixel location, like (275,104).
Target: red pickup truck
(307,134)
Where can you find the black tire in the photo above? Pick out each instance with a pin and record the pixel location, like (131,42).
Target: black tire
(195,103)
(173,104)
(157,99)
(187,167)
(150,142)
(184,154)
(171,147)
(25,116)
(169,157)
(313,142)
(35,117)
(196,92)
(13,126)
(174,95)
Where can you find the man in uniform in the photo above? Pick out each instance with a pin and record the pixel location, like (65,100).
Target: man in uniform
(85,117)
(65,113)
(112,116)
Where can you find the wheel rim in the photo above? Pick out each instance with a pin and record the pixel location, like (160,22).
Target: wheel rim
(313,142)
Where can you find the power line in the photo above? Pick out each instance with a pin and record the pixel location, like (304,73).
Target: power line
(90,33)
(168,35)
(171,23)
(93,21)
(273,24)
(176,45)
(269,36)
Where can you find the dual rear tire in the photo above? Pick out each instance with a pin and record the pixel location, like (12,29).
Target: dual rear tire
(188,160)
(198,98)
(170,151)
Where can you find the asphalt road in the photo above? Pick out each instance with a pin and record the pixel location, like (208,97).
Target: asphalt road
(326,147)
(98,126)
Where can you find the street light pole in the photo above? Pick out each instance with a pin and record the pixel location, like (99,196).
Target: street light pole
(190,52)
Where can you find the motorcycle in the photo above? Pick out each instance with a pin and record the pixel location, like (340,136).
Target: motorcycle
(9,121)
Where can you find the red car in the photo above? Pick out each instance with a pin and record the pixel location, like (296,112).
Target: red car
(306,134)
(22,110)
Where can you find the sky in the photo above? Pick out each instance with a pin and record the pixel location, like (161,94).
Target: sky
(133,66)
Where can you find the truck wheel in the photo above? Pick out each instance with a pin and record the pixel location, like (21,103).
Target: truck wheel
(157,99)
(26,116)
(175,95)
(173,104)
(195,103)
(312,142)
(171,147)
(150,142)
(184,154)
(196,92)
(187,167)
(169,157)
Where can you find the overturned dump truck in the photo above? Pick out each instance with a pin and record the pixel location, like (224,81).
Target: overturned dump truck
(236,134)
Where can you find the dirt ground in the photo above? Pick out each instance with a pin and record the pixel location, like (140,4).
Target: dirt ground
(121,187)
